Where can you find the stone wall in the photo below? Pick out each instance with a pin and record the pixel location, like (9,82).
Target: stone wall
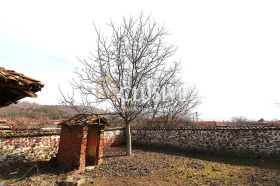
(26,146)
(114,136)
(32,148)
(16,149)
(241,141)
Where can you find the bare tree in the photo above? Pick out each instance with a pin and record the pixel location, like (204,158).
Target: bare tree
(181,106)
(127,70)
(239,120)
(39,121)
(176,106)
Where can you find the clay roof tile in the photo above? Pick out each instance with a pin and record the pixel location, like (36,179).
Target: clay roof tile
(15,86)
(85,119)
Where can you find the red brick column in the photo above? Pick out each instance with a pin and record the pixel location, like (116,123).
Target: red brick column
(83,149)
(100,145)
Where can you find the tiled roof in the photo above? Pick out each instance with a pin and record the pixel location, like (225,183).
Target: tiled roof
(276,122)
(85,119)
(15,86)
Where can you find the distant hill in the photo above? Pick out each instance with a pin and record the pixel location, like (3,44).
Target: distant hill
(33,110)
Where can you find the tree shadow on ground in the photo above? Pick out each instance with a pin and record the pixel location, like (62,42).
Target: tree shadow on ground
(220,158)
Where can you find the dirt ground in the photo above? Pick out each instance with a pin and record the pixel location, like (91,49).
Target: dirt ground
(149,166)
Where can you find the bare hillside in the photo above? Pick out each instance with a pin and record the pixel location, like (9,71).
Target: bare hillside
(33,110)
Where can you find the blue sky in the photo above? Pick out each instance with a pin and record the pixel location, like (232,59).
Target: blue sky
(19,55)
(229,49)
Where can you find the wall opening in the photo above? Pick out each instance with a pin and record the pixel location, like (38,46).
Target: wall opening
(92,145)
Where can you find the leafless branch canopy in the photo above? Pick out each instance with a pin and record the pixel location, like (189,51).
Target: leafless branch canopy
(125,66)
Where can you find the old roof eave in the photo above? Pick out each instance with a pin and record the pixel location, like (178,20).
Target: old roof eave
(85,120)
(15,86)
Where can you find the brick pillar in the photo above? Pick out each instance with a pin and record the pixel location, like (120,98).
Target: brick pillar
(83,149)
(100,145)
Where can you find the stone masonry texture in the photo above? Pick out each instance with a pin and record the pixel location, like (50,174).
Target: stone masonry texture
(242,141)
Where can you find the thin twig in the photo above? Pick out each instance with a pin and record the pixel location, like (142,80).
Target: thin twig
(30,170)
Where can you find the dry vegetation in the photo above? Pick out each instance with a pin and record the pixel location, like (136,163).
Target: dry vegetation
(31,115)
(158,167)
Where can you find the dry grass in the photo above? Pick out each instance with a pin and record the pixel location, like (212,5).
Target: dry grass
(159,167)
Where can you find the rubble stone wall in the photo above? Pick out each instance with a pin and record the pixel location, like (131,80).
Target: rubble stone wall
(114,137)
(18,149)
(42,146)
(241,141)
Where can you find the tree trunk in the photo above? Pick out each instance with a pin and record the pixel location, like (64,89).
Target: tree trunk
(128,140)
